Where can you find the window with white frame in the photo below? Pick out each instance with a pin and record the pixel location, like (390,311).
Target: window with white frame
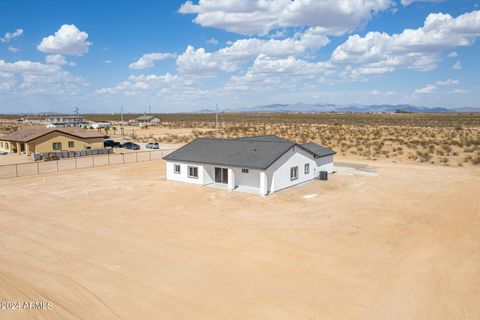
(176,169)
(307,168)
(193,172)
(57,146)
(294,173)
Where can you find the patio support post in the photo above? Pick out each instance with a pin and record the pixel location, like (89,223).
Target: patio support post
(263,183)
(231,179)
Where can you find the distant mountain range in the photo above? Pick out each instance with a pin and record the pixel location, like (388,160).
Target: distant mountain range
(328,107)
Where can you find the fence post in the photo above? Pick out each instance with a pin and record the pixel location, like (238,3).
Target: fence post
(108,156)
(93,162)
(123,158)
(57,165)
(16,169)
(38,167)
(75,162)
(136,156)
(150,156)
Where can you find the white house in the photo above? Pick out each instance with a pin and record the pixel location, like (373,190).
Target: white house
(265,164)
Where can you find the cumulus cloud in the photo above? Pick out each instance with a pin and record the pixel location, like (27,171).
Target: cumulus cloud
(457,65)
(425,90)
(148,59)
(68,40)
(453,54)
(39,78)
(9,36)
(448,82)
(13,49)
(212,41)
(230,58)
(417,49)
(333,17)
(58,59)
(408,2)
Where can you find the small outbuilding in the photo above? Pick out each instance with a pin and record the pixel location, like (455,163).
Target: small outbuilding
(148,120)
(30,140)
(263,164)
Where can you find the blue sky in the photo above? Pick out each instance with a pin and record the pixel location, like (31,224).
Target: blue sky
(190,55)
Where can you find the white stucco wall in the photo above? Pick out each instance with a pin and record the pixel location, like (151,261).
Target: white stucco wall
(183,175)
(279,173)
(324,164)
(250,179)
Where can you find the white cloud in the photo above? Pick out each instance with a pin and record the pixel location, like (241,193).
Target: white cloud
(460,91)
(39,78)
(375,92)
(448,82)
(7,81)
(212,41)
(68,40)
(333,17)
(147,60)
(11,35)
(13,49)
(56,59)
(237,53)
(108,61)
(457,65)
(453,54)
(273,73)
(417,49)
(408,2)
(426,90)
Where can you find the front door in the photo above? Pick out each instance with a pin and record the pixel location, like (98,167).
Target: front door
(221,175)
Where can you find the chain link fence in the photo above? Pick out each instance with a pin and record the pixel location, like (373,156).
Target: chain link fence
(41,167)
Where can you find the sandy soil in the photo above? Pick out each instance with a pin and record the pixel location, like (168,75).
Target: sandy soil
(382,241)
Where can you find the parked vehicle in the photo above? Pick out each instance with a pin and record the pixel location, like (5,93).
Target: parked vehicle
(109,143)
(130,146)
(152,145)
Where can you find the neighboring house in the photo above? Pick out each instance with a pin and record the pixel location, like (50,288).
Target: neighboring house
(148,119)
(40,139)
(65,121)
(264,164)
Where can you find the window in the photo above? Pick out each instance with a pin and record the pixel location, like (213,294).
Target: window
(176,169)
(7,145)
(294,173)
(57,146)
(71,144)
(307,168)
(1,145)
(244,170)
(193,172)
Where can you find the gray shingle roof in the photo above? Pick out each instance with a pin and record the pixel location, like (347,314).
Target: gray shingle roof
(267,138)
(317,149)
(252,154)
(249,152)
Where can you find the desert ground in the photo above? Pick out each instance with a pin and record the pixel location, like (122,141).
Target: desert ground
(446,139)
(379,240)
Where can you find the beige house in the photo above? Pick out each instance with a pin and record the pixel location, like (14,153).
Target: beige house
(148,119)
(40,139)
